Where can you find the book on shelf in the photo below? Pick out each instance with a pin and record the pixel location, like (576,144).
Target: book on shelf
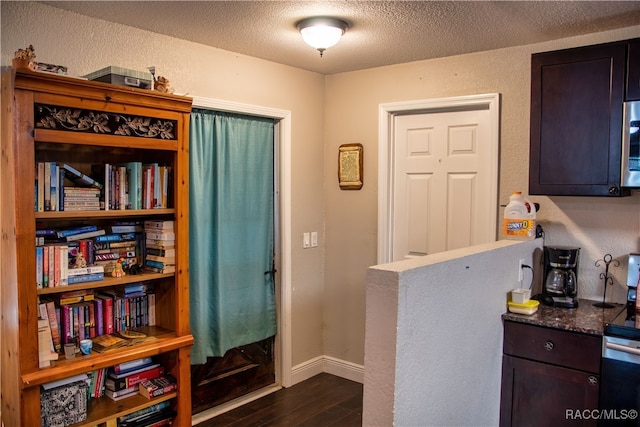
(157,418)
(48,311)
(118,339)
(159,225)
(76,230)
(118,237)
(171,253)
(135,227)
(161,259)
(133,365)
(84,278)
(85,270)
(46,351)
(142,414)
(103,343)
(81,295)
(122,394)
(159,265)
(46,232)
(158,386)
(40,187)
(130,380)
(168,269)
(163,235)
(85,235)
(78,177)
(159,244)
(39,267)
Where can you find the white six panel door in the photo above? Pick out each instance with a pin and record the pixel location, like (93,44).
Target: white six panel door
(441,180)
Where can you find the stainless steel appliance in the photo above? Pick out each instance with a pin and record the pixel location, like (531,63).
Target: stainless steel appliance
(631,145)
(560,286)
(620,369)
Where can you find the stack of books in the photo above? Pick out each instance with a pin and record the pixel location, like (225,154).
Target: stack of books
(157,415)
(160,246)
(81,199)
(116,247)
(123,379)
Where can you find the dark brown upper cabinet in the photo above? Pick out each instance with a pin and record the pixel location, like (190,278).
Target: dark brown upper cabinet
(576,120)
(633,71)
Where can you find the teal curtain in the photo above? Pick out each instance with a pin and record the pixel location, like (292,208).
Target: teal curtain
(231,228)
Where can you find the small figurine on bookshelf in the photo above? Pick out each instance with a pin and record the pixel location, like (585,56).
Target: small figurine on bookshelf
(80,262)
(118,270)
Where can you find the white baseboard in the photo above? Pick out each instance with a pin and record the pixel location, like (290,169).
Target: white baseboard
(330,365)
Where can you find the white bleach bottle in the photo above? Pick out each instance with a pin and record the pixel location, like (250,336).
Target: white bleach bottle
(519,218)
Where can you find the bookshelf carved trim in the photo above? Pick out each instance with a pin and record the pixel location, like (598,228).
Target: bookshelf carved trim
(101,122)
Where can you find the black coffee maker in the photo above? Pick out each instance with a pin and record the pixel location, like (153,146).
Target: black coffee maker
(560,286)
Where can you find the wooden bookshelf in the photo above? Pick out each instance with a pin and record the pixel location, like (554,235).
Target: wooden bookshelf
(25,141)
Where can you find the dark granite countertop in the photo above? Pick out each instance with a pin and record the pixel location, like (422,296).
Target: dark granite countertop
(585,318)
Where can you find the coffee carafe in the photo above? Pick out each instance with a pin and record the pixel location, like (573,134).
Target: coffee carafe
(560,286)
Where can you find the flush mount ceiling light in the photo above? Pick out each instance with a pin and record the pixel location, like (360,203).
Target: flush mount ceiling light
(321,32)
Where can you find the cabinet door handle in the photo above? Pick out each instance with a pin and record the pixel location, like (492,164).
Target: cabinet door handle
(593,380)
(548,346)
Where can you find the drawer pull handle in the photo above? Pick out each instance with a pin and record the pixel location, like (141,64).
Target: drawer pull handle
(592,380)
(548,346)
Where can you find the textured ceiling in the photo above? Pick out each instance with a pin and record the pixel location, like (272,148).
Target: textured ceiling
(381,32)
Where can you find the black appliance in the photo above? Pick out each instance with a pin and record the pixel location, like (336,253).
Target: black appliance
(560,285)
(620,370)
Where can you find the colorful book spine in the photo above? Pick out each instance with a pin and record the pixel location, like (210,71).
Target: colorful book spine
(117,384)
(86,235)
(54,324)
(108,314)
(116,237)
(67,323)
(83,278)
(39,267)
(47,186)
(54,187)
(99,309)
(168,235)
(132,365)
(40,199)
(77,230)
(161,252)
(51,265)
(85,270)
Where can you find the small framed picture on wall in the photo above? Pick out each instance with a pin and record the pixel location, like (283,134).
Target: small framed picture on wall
(350,166)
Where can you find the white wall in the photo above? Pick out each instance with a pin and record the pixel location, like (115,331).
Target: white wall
(433,345)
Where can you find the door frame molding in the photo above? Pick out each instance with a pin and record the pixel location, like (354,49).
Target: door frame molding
(386,114)
(282,134)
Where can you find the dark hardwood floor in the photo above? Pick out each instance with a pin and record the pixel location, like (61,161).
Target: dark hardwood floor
(323,400)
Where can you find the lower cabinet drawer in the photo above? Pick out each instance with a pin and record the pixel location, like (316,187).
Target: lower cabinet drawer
(562,348)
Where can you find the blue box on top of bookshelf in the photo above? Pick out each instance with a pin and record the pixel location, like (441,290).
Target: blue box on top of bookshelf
(64,405)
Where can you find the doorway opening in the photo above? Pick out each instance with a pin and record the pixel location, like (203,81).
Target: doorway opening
(275,352)
(438,164)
